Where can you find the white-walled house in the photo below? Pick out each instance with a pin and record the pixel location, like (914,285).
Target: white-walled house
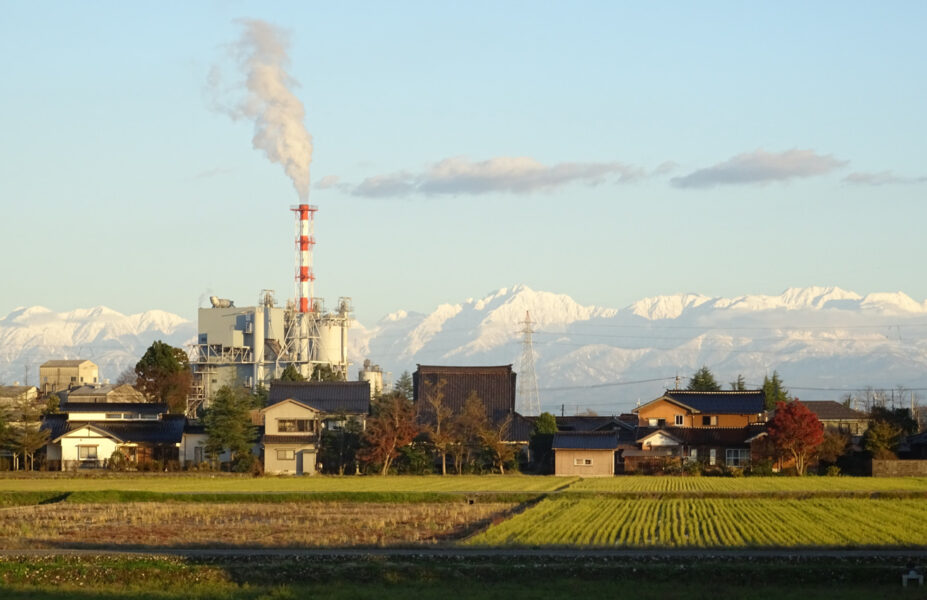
(85,435)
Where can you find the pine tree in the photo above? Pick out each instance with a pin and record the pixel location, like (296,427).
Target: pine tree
(228,426)
(774,390)
(404,385)
(740,385)
(703,381)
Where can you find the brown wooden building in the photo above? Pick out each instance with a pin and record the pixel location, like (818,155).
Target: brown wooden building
(683,408)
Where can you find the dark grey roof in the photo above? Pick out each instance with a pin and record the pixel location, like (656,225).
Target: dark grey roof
(828,410)
(587,440)
(494,385)
(148,408)
(727,402)
(707,436)
(519,429)
(167,430)
(586,423)
(291,439)
(331,397)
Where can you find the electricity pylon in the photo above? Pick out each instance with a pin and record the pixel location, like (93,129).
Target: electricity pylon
(527,402)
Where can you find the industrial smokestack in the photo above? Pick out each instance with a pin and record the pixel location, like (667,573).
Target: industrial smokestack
(261,54)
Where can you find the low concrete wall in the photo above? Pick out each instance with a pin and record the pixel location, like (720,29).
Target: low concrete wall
(899,468)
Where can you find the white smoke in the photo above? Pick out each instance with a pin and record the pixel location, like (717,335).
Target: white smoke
(261,55)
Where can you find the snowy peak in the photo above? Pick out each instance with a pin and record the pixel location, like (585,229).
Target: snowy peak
(666,307)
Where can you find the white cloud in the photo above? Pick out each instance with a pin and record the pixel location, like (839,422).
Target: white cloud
(516,175)
(881,178)
(761,167)
(329,181)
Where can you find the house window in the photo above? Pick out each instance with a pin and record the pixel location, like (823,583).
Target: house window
(712,456)
(87,452)
(150,417)
(293,426)
(678,421)
(693,454)
(198,454)
(286,455)
(737,457)
(582,462)
(113,415)
(709,420)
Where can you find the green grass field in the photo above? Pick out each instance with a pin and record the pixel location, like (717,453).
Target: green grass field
(714,523)
(473,578)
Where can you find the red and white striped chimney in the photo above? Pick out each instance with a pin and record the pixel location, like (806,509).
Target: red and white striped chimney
(304,243)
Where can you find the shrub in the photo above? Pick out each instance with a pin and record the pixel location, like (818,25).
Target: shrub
(761,468)
(832,471)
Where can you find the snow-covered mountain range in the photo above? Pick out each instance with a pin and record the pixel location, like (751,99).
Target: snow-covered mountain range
(586,356)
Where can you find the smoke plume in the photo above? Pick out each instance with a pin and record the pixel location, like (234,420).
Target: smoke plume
(261,55)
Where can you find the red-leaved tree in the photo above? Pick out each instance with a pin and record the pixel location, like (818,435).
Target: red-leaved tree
(391,427)
(795,430)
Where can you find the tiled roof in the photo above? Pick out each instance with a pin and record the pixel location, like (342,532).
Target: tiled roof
(14,391)
(331,397)
(495,386)
(520,429)
(167,430)
(290,439)
(148,408)
(706,436)
(828,410)
(727,402)
(583,423)
(587,440)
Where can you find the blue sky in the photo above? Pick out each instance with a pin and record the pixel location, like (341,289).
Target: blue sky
(610,151)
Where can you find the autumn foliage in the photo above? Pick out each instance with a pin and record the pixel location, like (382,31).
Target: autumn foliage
(795,431)
(391,427)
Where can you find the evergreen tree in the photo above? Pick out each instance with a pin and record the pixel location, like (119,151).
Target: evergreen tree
(774,390)
(325,373)
(164,375)
(338,448)
(740,385)
(228,426)
(404,385)
(291,373)
(703,381)
(541,442)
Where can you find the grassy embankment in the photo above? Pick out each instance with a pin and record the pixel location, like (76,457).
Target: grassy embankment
(476,578)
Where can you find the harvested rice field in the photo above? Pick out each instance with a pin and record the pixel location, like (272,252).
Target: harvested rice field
(251,525)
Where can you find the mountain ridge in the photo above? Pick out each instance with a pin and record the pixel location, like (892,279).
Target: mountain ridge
(817,337)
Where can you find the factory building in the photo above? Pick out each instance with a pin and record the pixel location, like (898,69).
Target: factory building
(57,375)
(252,345)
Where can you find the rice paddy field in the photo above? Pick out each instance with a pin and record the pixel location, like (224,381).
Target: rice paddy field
(715,523)
(749,485)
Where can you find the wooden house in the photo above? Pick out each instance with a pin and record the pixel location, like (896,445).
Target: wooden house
(684,408)
(585,454)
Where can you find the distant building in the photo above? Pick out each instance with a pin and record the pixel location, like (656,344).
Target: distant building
(373,375)
(13,395)
(57,375)
(335,401)
(105,393)
(839,418)
(585,454)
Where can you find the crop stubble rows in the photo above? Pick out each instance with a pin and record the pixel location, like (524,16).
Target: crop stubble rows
(239,525)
